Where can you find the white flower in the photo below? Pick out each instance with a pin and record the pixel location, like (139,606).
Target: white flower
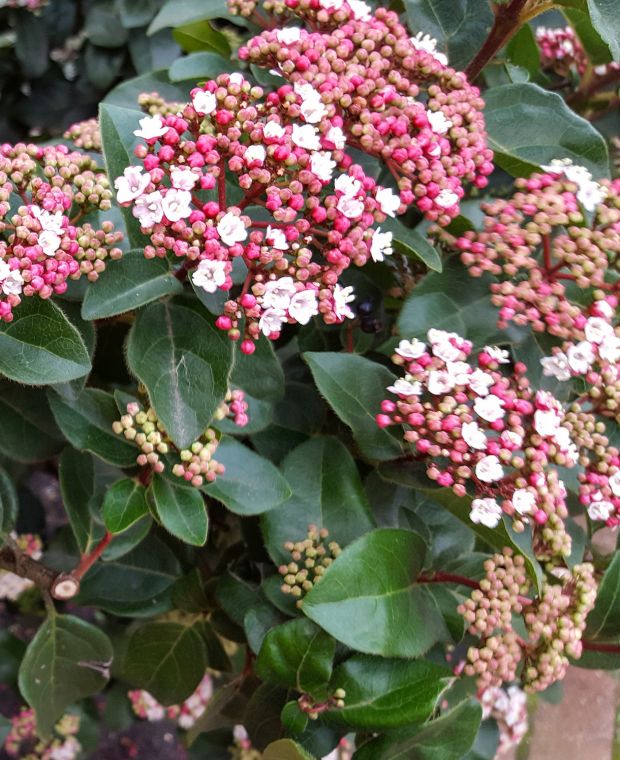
(556,366)
(388,201)
(403,387)
(231,229)
(597,329)
(565,442)
(361,11)
(148,209)
(278,293)
(439,381)
(331,5)
(589,193)
(381,245)
(411,349)
(151,127)
(510,438)
(306,136)
(350,207)
(348,186)
(255,153)
(11,280)
(204,103)
(276,239)
(427,43)
(480,382)
(303,306)
(236,78)
(546,422)
(498,354)
(580,357)
(322,165)
(489,408)
(474,436)
(53,222)
(524,501)
(273,131)
(443,346)
(271,321)
(176,204)
(209,275)
(131,185)
(599,508)
(183,178)
(447,199)
(485,512)
(288,35)
(603,309)
(614,483)
(312,107)
(438,121)
(342,298)
(336,136)
(609,350)
(459,371)
(49,242)
(489,469)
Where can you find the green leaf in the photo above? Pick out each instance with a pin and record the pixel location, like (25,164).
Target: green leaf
(251,484)
(124,504)
(449,737)
(522,50)
(87,425)
(103,26)
(604,15)
(175,349)
(67,660)
(604,619)
(177,12)
(125,95)
(40,346)
(412,243)
(354,387)
(327,492)
(201,36)
(384,694)
(128,283)
(76,474)
(528,126)
(369,598)
(285,749)
(136,13)
(181,509)
(166,659)
(297,654)
(117,127)
(29,433)
(8,503)
(260,374)
(199,67)
(31,45)
(597,50)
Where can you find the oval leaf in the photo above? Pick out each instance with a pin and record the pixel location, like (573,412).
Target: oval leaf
(181,510)
(123,505)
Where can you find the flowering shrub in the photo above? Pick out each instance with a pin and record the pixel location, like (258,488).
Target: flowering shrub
(310,382)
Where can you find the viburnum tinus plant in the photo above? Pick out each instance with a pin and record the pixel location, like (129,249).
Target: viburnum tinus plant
(310,386)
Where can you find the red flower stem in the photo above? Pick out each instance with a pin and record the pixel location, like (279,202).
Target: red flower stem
(221,186)
(89,559)
(462,580)
(549,269)
(595,646)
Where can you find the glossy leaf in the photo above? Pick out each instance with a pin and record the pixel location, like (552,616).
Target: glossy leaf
(604,619)
(604,15)
(177,12)
(199,36)
(76,474)
(369,598)
(199,67)
(68,659)
(124,504)
(29,433)
(285,749)
(184,361)
(412,243)
(181,509)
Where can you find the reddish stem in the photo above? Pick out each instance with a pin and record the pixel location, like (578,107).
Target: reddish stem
(221,186)
(88,560)
(440,577)
(549,269)
(350,344)
(595,646)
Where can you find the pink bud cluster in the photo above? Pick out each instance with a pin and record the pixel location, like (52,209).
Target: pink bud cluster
(553,622)
(42,244)
(508,707)
(394,96)
(560,229)
(145,706)
(195,464)
(13,586)
(29,5)
(22,741)
(599,489)
(562,52)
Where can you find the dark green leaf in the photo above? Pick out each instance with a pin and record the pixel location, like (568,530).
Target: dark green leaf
(604,620)
(201,36)
(522,50)
(260,374)
(604,15)
(123,505)
(31,46)
(29,433)
(369,598)
(67,660)
(412,243)
(76,473)
(184,360)
(8,503)
(181,509)
(199,67)
(177,12)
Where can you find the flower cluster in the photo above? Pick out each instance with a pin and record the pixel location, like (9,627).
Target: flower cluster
(85,135)
(562,52)
(242,748)
(22,741)
(43,244)
(310,559)
(394,96)
(29,5)
(145,706)
(554,622)
(12,586)
(195,464)
(560,230)
(508,707)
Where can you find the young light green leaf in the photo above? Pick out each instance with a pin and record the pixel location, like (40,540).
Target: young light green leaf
(201,36)
(369,598)
(181,509)
(40,346)
(175,349)
(67,660)
(123,505)
(285,749)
